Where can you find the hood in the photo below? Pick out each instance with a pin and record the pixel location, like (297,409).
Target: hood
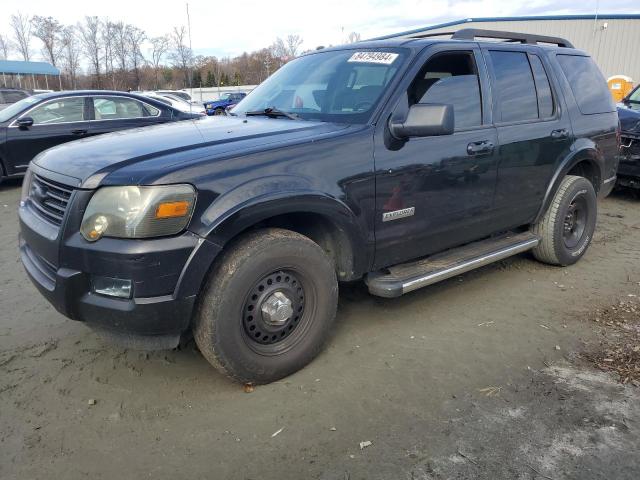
(178,142)
(629,120)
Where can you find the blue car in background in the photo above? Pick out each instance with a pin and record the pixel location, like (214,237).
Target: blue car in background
(218,107)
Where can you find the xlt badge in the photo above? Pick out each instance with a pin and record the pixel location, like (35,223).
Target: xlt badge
(396,214)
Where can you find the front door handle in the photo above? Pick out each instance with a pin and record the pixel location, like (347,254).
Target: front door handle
(560,134)
(79,132)
(476,148)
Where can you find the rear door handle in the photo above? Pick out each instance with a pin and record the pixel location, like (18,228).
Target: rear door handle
(560,134)
(78,132)
(476,148)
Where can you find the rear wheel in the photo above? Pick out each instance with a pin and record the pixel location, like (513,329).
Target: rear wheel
(268,307)
(567,227)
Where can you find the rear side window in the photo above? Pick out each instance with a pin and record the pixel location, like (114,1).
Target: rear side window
(515,87)
(545,97)
(587,84)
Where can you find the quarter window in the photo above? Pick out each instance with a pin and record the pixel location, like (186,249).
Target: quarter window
(587,84)
(64,110)
(515,88)
(545,97)
(450,78)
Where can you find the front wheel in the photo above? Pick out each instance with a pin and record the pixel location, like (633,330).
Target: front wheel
(219,111)
(566,230)
(268,307)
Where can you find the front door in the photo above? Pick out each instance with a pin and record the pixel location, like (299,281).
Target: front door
(54,122)
(436,192)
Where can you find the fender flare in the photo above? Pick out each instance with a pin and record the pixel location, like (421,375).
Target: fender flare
(261,199)
(582,150)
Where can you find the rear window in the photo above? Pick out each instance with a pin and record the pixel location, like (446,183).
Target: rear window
(587,84)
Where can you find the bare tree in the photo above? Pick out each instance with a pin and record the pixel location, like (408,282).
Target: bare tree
(180,53)
(293,44)
(159,48)
(135,39)
(90,37)
(279,52)
(120,45)
(107,37)
(21,25)
(5,47)
(353,37)
(48,31)
(71,54)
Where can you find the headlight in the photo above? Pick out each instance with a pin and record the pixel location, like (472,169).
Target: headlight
(26,186)
(138,212)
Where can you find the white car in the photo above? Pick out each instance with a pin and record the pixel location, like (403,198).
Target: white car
(176,103)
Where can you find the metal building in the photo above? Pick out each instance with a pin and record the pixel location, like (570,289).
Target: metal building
(612,40)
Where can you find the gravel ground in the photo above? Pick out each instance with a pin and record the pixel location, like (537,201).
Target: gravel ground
(477,377)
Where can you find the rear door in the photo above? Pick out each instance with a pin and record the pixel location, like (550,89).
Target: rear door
(55,121)
(113,113)
(534,130)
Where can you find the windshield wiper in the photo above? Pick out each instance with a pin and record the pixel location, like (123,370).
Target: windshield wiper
(273,112)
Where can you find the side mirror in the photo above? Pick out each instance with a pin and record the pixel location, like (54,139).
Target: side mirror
(24,122)
(424,120)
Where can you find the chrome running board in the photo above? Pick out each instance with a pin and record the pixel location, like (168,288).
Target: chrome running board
(407,277)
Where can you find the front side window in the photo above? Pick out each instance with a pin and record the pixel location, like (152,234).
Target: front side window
(515,88)
(335,86)
(64,110)
(587,83)
(450,78)
(117,108)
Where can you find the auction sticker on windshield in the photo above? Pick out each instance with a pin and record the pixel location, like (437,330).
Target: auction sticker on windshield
(384,58)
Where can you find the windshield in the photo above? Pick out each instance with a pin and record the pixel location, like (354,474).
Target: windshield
(16,108)
(635,96)
(337,86)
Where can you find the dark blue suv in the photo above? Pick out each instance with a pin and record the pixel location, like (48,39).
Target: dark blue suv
(400,162)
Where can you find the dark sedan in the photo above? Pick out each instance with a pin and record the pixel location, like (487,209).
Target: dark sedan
(42,121)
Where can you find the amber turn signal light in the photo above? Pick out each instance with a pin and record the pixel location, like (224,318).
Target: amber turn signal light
(172,209)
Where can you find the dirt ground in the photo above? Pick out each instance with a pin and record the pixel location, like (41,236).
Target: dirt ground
(476,377)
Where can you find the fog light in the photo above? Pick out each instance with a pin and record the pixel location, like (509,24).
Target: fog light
(112,287)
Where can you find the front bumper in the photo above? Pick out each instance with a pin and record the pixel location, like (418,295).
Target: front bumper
(629,167)
(166,275)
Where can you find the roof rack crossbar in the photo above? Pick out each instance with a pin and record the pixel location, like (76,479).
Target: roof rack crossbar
(530,38)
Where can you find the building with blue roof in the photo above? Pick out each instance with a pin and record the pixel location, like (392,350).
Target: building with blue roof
(612,40)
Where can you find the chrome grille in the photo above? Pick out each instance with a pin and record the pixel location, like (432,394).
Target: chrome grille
(49,199)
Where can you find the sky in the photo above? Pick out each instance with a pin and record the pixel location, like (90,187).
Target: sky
(231,27)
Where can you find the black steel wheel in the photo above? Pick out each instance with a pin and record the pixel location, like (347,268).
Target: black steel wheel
(273,312)
(567,227)
(268,307)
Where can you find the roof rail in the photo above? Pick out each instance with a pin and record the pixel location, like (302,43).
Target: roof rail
(531,38)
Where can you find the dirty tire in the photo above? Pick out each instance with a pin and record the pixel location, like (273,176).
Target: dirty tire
(567,227)
(242,282)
